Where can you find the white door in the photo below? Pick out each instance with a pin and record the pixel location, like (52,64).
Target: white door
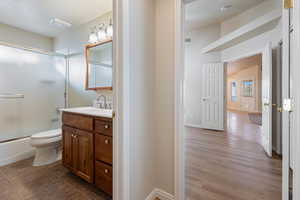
(267,99)
(213,96)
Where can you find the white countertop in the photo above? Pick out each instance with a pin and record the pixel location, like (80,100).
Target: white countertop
(89,111)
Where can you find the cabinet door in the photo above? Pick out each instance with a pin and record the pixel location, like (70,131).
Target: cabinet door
(84,155)
(68,144)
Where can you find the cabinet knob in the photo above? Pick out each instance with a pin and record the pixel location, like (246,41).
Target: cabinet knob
(106,141)
(106,126)
(106,171)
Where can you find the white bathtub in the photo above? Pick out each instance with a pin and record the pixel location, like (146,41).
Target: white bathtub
(16,150)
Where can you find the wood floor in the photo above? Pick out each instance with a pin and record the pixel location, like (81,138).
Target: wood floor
(21,181)
(230,165)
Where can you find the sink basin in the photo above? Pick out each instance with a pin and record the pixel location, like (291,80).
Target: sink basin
(90,111)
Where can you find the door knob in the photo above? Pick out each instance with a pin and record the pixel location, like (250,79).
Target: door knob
(106,126)
(106,171)
(106,141)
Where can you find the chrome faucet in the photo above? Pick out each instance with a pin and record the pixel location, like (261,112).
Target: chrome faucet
(104,100)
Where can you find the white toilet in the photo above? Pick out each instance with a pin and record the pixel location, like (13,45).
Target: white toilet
(48,147)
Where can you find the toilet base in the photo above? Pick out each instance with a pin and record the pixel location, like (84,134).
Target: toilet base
(47,155)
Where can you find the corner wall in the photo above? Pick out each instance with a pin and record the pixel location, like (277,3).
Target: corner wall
(142,99)
(164,94)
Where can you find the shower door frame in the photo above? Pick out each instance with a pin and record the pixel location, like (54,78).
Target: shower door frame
(42,52)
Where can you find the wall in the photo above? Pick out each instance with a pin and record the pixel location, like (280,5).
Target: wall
(142,98)
(248,104)
(164,94)
(194,60)
(73,41)
(24,38)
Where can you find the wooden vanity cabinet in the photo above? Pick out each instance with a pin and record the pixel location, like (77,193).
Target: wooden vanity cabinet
(78,153)
(87,148)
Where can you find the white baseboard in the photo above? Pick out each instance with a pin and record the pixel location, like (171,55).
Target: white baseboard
(192,125)
(158,193)
(14,151)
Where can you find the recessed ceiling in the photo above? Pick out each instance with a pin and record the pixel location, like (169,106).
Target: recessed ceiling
(34,15)
(201,13)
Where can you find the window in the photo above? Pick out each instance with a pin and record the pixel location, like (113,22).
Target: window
(248,88)
(234,91)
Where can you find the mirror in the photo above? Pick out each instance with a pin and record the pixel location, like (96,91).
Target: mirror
(99,66)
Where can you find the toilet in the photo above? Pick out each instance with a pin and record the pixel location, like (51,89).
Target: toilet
(48,147)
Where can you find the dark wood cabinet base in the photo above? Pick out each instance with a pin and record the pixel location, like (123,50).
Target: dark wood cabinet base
(87,148)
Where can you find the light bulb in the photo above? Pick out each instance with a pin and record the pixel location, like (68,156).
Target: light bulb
(93,38)
(101,35)
(109,31)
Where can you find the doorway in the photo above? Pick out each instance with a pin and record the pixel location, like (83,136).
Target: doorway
(225,142)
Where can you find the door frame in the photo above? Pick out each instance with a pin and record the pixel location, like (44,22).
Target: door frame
(121,101)
(296,110)
(179,104)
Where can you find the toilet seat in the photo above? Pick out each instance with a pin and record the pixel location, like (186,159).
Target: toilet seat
(46,138)
(47,134)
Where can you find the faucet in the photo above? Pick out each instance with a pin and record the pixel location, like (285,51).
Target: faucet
(104,99)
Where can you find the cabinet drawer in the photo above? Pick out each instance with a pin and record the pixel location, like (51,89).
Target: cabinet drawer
(103,177)
(103,148)
(103,127)
(78,121)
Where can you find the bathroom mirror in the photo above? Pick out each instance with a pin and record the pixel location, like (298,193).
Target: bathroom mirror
(99,66)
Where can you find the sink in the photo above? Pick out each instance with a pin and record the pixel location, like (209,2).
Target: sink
(90,111)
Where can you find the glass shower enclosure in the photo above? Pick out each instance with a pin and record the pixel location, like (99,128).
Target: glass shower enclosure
(32,89)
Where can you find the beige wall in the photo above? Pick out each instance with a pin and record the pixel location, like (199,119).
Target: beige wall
(248,104)
(17,36)
(164,94)
(73,41)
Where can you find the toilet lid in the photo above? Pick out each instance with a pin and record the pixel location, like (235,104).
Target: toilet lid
(48,134)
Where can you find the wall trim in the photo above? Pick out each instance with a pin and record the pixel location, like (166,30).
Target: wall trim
(161,194)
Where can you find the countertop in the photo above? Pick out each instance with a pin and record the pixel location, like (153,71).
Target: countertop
(97,112)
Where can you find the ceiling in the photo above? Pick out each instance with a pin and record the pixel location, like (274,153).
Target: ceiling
(34,15)
(239,65)
(201,13)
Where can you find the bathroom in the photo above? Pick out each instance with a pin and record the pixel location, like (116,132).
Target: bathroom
(56,90)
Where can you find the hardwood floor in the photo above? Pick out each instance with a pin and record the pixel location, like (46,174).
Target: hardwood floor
(230,165)
(21,181)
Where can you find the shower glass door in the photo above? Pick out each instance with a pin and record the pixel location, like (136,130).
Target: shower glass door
(32,87)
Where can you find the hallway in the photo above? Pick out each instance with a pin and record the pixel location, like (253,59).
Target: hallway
(230,165)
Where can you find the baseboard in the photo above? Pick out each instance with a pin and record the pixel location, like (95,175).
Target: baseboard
(160,194)
(14,151)
(192,125)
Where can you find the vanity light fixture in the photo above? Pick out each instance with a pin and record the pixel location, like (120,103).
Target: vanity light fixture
(101,32)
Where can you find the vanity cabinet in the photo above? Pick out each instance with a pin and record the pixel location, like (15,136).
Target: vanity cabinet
(88,148)
(78,154)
